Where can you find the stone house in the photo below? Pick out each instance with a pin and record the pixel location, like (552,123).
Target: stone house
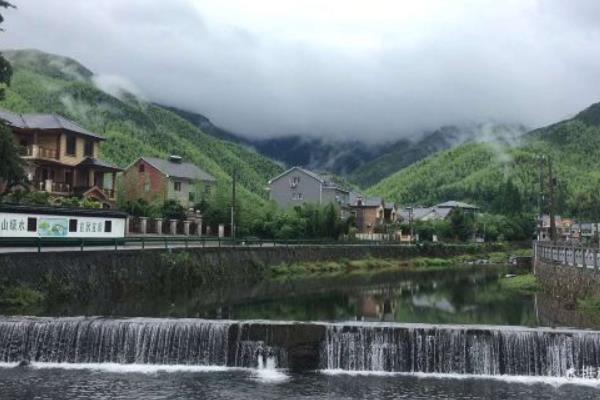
(62,158)
(155,179)
(368,212)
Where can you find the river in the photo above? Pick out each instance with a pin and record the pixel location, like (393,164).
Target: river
(173,350)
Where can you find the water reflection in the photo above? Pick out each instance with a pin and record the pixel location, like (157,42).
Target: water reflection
(467,295)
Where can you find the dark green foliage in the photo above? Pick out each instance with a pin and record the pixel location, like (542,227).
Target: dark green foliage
(5,67)
(461,224)
(23,197)
(309,221)
(141,208)
(11,164)
(508,199)
(426,230)
(519,227)
(171,209)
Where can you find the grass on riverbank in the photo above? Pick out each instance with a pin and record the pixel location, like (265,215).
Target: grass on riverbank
(377,264)
(20,297)
(334,267)
(526,284)
(589,304)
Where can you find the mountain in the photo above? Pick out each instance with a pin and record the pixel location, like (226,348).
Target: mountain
(404,152)
(207,126)
(476,171)
(340,157)
(357,162)
(133,127)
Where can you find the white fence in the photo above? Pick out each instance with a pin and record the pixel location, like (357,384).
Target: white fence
(568,255)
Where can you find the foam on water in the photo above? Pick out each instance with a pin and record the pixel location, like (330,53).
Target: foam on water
(267,371)
(527,380)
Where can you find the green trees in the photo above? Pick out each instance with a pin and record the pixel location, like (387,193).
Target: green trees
(507,200)
(5,67)
(11,164)
(461,224)
(310,221)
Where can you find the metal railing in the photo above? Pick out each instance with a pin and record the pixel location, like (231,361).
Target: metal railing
(568,255)
(167,242)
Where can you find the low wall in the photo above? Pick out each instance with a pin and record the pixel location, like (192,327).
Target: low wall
(89,275)
(567,283)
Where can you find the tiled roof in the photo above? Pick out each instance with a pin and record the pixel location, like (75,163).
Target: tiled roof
(94,162)
(457,204)
(44,121)
(307,172)
(179,170)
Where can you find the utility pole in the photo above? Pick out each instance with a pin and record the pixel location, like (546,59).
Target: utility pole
(551,183)
(233,205)
(541,197)
(410,223)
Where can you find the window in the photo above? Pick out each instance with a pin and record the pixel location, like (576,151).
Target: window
(294,181)
(31,224)
(107,226)
(89,148)
(192,196)
(72,225)
(177,186)
(71,145)
(142,168)
(297,196)
(147,186)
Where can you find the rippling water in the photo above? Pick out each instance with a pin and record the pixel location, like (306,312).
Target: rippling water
(58,384)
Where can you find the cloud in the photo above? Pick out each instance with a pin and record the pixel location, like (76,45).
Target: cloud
(342,68)
(117,86)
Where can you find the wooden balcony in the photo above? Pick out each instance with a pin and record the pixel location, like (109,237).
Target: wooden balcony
(35,151)
(65,189)
(50,186)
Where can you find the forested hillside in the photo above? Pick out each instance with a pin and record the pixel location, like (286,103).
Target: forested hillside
(133,127)
(403,153)
(479,172)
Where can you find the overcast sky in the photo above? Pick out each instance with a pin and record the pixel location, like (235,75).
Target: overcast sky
(376,69)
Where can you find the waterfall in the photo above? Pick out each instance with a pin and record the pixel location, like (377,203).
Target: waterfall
(271,345)
(462,350)
(133,341)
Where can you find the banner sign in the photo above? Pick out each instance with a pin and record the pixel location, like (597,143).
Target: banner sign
(53,227)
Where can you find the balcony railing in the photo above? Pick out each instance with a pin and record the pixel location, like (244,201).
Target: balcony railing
(110,193)
(36,151)
(52,187)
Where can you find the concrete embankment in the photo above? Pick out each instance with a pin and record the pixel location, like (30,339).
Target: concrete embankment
(90,275)
(567,283)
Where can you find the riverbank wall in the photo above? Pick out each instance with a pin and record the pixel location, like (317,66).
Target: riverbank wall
(110,274)
(567,283)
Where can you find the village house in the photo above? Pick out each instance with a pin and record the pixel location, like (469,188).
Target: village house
(155,179)
(62,157)
(298,186)
(369,213)
(438,212)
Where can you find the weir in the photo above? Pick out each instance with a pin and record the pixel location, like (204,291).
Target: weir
(410,348)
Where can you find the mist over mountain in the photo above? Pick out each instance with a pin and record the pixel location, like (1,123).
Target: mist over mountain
(372,71)
(361,162)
